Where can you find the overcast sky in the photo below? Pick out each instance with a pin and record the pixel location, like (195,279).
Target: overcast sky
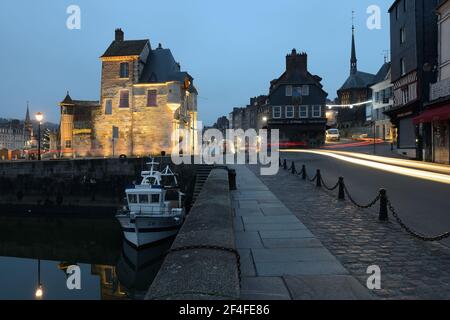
(232,48)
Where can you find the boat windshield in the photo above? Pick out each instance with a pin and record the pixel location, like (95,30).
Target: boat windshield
(149,180)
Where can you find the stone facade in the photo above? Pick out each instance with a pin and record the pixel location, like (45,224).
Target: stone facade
(145,98)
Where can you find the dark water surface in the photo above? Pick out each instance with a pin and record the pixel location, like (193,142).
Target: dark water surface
(37,250)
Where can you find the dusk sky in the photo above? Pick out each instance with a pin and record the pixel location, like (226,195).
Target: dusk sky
(232,48)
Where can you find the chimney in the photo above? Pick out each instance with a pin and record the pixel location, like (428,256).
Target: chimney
(119,35)
(297,62)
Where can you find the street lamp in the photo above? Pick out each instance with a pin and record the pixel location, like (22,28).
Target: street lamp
(264,119)
(39,118)
(40,290)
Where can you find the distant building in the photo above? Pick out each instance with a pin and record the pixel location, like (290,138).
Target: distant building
(356,89)
(297,104)
(437,111)
(222,124)
(145,98)
(12,135)
(413,60)
(253,116)
(382,98)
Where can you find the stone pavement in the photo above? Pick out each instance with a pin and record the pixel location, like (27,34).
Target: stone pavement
(280,257)
(410,268)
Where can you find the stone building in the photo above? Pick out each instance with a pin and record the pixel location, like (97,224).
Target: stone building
(145,98)
(253,116)
(355,90)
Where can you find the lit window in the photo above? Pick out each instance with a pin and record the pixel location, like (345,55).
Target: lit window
(108,107)
(152,98)
(289,112)
(124,70)
(276,112)
(124,99)
(303,111)
(288,91)
(317,111)
(68,143)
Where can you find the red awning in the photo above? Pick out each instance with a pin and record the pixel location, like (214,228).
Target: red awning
(435,114)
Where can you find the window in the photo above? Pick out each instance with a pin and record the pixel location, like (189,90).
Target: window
(124,70)
(143,198)
(317,111)
(155,198)
(402,67)
(132,198)
(108,106)
(396,12)
(405,5)
(276,112)
(402,35)
(297,92)
(303,111)
(405,95)
(305,90)
(288,91)
(124,99)
(68,143)
(152,98)
(289,112)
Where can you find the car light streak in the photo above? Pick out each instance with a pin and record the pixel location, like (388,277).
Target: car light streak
(398,169)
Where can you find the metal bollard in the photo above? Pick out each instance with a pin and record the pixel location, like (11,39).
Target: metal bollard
(285,164)
(304,172)
(293,168)
(232,179)
(341,189)
(383,206)
(319,179)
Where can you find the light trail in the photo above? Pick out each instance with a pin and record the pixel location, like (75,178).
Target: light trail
(405,171)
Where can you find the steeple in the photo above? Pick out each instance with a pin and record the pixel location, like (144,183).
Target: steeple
(27,117)
(353,60)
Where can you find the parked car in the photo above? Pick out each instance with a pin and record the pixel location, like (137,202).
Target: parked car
(333,135)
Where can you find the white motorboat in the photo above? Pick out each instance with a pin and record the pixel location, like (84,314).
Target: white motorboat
(154,208)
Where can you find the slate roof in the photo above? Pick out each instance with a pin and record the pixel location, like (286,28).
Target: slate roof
(383,73)
(358,80)
(84,103)
(125,48)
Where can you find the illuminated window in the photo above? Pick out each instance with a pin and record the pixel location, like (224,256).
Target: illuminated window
(124,99)
(288,91)
(108,107)
(276,112)
(124,70)
(68,144)
(317,112)
(289,112)
(303,111)
(152,98)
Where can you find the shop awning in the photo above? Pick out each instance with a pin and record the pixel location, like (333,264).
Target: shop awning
(435,114)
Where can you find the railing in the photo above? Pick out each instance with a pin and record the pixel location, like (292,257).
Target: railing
(382,198)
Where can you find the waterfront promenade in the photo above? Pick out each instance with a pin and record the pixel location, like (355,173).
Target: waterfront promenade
(280,257)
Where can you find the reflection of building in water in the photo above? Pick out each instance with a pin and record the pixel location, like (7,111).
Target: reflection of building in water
(110,287)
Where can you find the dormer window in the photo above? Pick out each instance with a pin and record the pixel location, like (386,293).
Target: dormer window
(125,70)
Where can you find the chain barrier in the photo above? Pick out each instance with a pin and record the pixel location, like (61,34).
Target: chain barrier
(412,232)
(385,204)
(217,248)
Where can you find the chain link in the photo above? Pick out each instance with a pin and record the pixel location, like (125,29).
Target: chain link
(328,188)
(210,247)
(412,232)
(371,204)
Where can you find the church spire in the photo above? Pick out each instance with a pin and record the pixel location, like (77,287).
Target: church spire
(27,117)
(353,60)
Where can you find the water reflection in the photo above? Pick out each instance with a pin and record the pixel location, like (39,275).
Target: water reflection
(36,252)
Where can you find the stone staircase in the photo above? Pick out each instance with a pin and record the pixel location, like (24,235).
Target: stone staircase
(202,174)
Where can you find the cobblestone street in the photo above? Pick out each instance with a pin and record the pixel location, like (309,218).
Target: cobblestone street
(410,268)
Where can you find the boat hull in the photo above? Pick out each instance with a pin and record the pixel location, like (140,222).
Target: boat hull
(141,231)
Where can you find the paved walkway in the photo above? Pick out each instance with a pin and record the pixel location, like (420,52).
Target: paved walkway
(410,268)
(280,257)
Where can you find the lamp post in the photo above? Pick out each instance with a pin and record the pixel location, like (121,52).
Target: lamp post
(39,118)
(39,291)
